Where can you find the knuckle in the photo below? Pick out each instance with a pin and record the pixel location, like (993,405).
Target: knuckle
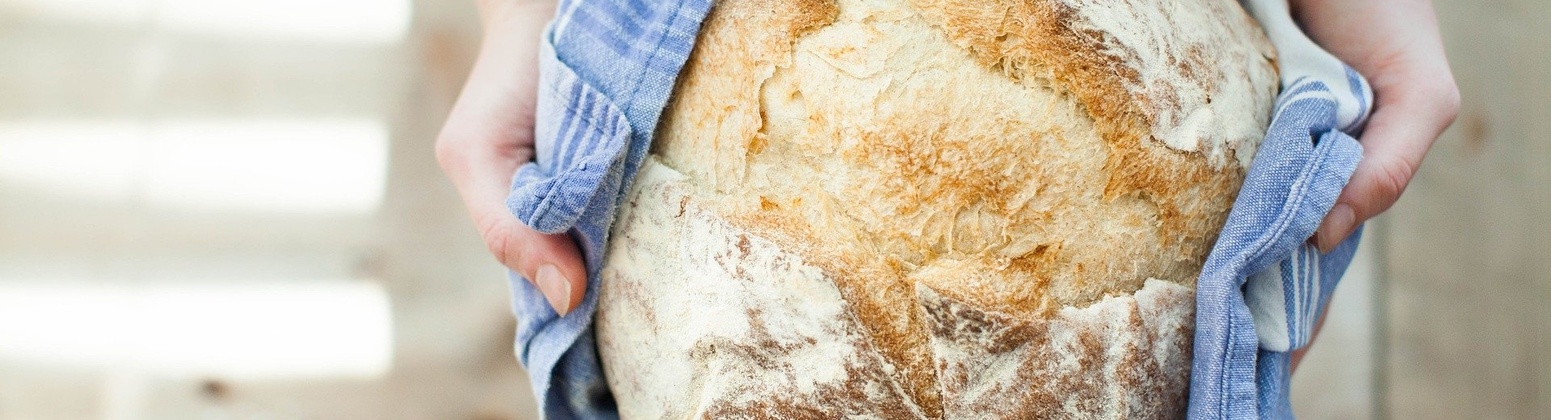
(1444,96)
(1391,182)
(448,153)
(498,238)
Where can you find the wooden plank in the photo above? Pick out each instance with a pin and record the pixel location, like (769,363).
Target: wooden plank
(1470,275)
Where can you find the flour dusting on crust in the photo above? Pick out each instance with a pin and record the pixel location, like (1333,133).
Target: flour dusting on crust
(702,319)
(1122,357)
(1022,156)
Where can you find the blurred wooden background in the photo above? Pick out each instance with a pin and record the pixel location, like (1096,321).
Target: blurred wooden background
(1457,317)
(1445,315)
(393,64)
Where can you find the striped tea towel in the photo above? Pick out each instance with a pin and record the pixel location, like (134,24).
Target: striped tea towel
(1264,285)
(608,66)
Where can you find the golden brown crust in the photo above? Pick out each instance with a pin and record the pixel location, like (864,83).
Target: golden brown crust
(699,318)
(1125,357)
(1048,39)
(1021,156)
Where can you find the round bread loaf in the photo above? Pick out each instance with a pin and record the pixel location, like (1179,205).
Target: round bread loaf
(933,208)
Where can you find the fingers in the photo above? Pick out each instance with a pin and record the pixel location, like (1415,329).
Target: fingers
(1396,44)
(552,263)
(481,168)
(481,171)
(1412,109)
(489,134)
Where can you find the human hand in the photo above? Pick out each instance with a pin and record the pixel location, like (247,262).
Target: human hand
(1395,44)
(489,134)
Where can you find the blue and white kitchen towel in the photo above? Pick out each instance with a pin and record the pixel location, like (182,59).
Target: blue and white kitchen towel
(1264,286)
(608,66)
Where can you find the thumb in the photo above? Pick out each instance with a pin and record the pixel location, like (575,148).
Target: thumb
(1406,121)
(551,262)
(489,134)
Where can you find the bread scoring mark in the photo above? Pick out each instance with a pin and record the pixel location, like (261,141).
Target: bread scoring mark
(833,401)
(1160,62)
(772,25)
(1118,358)
(740,341)
(885,190)
(1065,47)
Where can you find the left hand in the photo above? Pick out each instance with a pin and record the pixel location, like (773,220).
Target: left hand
(489,134)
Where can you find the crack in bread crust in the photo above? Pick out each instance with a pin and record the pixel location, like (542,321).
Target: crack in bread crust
(1019,155)
(699,318)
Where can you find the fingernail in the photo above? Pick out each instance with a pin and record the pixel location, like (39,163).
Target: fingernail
(1334,228)
(556,288)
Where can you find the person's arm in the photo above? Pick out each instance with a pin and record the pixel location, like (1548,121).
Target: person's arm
(1395,44)
(490,133)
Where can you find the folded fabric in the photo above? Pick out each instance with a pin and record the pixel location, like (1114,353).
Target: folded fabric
(1263,285)
(608,66)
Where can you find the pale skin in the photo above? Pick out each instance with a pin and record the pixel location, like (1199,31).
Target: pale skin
(1397,46)
(489,133)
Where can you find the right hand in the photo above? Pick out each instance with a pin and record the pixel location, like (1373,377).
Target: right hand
(489,133)
(1395,44)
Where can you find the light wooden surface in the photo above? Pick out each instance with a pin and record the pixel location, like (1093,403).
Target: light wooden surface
(1469,256)
(1457,320)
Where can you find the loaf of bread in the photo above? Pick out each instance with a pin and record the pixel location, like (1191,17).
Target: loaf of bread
(933,209)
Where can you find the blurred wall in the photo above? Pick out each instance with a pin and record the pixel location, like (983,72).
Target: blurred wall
(230,209)
(1467,297)
(1456,321)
